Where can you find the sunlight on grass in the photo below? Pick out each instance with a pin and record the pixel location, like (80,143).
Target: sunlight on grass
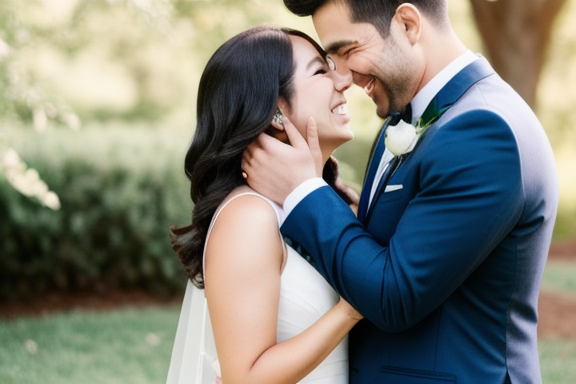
(134,346)
(124,346)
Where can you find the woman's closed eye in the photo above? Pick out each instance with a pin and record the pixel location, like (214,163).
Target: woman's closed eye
(328,66)
(320,71)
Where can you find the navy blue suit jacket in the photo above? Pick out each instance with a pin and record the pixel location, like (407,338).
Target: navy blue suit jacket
(448,266)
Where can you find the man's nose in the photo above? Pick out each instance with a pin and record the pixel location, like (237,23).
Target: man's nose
(342,78)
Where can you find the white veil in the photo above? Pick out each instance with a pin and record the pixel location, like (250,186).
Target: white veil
(194,359)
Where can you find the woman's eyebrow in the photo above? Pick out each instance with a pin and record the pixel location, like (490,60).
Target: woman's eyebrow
(315,60)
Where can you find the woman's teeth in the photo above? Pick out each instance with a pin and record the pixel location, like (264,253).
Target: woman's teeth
(342,109)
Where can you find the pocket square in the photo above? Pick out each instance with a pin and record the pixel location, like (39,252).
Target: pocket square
(395,187)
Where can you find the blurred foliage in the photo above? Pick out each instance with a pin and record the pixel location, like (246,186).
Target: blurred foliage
(128,71)
(118,199)
(112,59)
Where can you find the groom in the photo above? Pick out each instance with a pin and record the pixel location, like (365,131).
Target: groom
(446,257)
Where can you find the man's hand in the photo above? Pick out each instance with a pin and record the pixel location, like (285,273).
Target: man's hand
(275,169)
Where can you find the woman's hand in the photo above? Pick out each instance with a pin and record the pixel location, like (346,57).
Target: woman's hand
(275,169)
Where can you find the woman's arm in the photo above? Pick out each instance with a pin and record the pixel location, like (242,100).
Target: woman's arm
(244,259)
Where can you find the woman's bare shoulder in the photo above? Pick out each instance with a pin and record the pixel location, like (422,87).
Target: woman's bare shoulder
(245,236)
(246,217)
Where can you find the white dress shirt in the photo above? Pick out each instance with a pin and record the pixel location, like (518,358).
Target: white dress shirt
(419,104)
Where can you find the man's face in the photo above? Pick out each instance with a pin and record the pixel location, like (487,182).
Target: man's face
(385,68)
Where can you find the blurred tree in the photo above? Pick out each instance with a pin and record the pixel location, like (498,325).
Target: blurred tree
(516,35)
(22,98)
(126,60)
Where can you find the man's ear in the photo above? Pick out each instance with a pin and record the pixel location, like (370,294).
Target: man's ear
(410,18)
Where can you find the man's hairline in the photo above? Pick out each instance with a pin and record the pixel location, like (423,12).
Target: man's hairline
(334,47)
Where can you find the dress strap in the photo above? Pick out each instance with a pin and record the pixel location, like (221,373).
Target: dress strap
(238,192)
(243,191)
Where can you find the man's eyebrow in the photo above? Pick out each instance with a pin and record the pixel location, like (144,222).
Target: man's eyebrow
(338,45)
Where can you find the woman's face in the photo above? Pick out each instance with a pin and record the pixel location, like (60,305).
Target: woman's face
(318,92)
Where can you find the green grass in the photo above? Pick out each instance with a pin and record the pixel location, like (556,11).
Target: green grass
(558,357)
(134,345)
(124,346)
(560,276)
(557,361)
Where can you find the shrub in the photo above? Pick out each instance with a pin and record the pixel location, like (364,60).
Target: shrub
(120,190)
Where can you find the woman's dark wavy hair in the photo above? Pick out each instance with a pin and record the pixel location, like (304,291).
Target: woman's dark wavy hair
(379,13)
(238,95)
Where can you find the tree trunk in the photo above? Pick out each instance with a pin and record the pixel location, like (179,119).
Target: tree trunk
(516,34)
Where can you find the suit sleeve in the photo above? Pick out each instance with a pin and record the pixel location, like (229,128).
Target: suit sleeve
(468,198)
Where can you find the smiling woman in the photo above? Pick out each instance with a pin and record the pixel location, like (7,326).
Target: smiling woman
(262,297)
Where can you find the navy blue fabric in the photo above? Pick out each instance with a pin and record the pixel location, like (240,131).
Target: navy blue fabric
(371,174)
(447,269)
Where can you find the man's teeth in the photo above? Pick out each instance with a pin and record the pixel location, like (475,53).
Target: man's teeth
(342,109)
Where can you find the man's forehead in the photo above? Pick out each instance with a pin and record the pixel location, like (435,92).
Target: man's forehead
(336,30)
(332,22)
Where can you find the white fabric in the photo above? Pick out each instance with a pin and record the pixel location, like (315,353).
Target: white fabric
(382,167)
(194,351)
(304,297)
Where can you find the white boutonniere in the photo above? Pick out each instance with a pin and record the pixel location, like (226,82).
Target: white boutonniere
(402,138)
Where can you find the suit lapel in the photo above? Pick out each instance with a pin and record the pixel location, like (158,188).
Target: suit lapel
(371,174)
(450,94)
(455,88)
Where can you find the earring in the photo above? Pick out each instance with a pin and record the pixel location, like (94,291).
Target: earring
(277,119)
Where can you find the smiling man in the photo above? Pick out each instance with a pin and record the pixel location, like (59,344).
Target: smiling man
(447,253)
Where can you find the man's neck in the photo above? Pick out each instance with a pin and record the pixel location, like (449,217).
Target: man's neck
(441,49)
(427,93)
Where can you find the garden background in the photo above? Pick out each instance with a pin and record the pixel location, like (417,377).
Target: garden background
(97,107)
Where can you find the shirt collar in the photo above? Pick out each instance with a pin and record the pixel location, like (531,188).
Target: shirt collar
(427,93)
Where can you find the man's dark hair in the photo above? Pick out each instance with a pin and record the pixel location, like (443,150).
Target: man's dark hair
(376,12)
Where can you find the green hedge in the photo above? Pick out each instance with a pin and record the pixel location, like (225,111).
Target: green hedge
(120,190)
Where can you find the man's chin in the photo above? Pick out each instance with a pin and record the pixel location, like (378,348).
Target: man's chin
(382,112)
(382,109)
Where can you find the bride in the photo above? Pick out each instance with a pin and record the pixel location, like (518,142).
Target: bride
(267,315)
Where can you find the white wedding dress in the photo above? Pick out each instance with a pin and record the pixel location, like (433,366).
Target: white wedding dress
(304,297)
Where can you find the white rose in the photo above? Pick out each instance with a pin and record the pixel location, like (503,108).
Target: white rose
(401,138)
